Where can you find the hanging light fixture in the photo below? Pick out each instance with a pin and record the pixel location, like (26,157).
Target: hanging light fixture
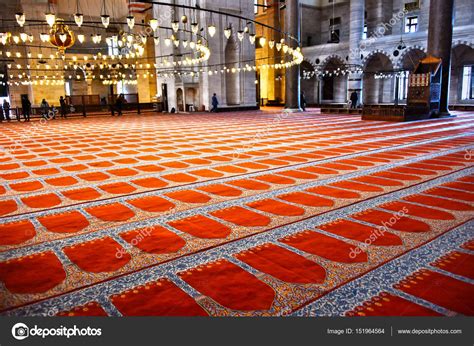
(175,25)
(252,38)
(105,20)
(20,18)
(195,28)
(211,29)
(185,43)
(228,32)
(23,36)
(81,38)
(167,42)
(44,37)
(154,24)
(241,35)
(262,41)
(157,40)
(50,18)
(78,16)
(271,44)
(131,21)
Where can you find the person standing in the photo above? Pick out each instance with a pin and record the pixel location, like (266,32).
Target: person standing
(44,108)
(63,106)
(215,103)
(6,109)
(303,101)
(354,100)
(1,114)
(26,107)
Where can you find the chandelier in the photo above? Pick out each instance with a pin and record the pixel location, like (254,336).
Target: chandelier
(61,36)
(181,45)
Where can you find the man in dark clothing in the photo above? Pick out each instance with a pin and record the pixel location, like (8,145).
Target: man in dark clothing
(1,113)
(303,101)
(63,106)
(26,107)
(119,104)
(6,109)
(215,103)
(354,100)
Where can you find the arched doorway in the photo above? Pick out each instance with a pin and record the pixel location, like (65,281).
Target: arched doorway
(309,83)
(333,81)
(232,79)
(180,99)
(462,75)
(378,90)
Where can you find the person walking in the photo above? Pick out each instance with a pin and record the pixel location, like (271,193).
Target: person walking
(44,108)
(6,109)
(119,104)
(303,101)
(63,106)
(215,103)
(26,107)
(354,100)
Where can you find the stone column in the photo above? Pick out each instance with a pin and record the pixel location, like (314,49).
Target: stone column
(293,87)
(356,31)
(440,38)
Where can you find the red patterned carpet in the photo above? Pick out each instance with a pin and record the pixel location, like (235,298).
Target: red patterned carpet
(248,214)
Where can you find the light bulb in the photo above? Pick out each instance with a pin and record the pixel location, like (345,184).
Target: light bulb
(278,46)
(23,36)
(271,44)
(157,40)
(81,38)
(262,41)
(175,26)
(16,39)
(79,19)
(176,43)
(63,37)
(20,18)
(31,38)
(50,18)
(154,24)
(105,20)
(185,43)
(167,42)
(98,38)
(227,32)
(211,29)
(195,28)
(240,35)
(285,48)
(131,22)
(143,38)
(252,38)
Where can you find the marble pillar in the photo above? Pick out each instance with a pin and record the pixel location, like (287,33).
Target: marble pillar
(440,38)
(356,31)
(293,87)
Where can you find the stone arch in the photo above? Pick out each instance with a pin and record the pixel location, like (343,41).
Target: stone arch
(376,52)
(410,57)
(462,57)
(333,86)
(378,91)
